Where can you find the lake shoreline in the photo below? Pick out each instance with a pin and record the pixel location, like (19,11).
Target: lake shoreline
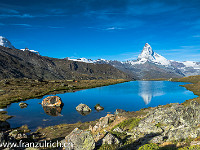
(128,121)
(16,90)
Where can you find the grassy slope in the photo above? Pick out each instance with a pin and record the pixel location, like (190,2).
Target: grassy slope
(194,86)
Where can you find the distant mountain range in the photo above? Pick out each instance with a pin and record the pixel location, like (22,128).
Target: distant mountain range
(15,63)
(149,65)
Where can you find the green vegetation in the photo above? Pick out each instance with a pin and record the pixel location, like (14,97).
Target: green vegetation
(108,147)
(128,124)
(196,147)
(151,146)
(4,116)
(61,131)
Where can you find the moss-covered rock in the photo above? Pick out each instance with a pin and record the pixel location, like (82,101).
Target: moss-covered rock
(79,140)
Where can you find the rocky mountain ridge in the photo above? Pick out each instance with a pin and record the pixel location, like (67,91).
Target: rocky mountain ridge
(15,63)
(151,65)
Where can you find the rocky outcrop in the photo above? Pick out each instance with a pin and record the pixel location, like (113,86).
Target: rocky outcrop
(103,123)
(98,107)
(110,139)
(83,108)
(52,101)
(79,140)
(176,122)
(23,105)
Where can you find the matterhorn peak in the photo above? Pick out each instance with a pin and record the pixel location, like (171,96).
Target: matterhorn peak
(5,42)
(149,55)
(147,52)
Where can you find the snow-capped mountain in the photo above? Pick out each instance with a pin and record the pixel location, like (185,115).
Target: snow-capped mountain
(33,51)
(6,43)
(88,60)
(149,55)
(151,65)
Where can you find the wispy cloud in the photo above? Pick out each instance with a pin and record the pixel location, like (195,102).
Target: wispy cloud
(196,36)
(184,53)
(53,27)
(22,24)
(16,16)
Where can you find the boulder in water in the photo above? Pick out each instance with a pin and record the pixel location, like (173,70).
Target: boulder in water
(98,107)
(23,105)
(83,107)
(52,101)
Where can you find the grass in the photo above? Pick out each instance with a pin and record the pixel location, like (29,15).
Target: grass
(59,132)
(4,116)
(128,124)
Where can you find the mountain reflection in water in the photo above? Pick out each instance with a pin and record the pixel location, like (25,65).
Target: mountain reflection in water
(147,90)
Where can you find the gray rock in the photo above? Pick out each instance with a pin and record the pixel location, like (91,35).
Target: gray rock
(23,105)
(79,140)
(175,122)
(110,139)
(118,130)
(119,111)
(83,107)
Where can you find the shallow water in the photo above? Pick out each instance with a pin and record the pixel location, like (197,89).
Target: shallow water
(130,96)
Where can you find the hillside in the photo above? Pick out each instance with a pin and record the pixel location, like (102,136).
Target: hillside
(15,63)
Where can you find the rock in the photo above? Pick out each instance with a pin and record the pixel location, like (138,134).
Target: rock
(16,134)
(103,122)
(52,101)
(23,105)
(110,139)
(4,125)
(118,130)
(98,107)
(195,143)
(119,111)
(79,140)
(83,107)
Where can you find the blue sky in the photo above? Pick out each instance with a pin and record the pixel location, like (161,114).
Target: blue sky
(109,29)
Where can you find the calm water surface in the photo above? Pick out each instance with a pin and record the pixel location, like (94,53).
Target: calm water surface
(130,96)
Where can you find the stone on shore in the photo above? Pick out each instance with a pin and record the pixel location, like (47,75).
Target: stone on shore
(110,139)
(119,111)
(52,101)
(79,140)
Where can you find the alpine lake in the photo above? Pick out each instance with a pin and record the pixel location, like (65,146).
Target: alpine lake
(130,96)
